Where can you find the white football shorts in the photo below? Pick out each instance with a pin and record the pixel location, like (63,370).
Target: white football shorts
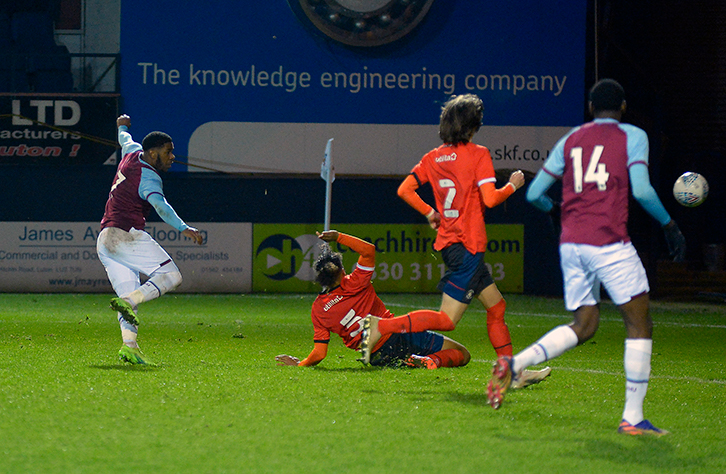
(617,266)
(127,254)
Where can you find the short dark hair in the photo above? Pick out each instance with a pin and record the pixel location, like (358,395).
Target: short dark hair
(327,267)
(155,140)
(461,116)
(607,94)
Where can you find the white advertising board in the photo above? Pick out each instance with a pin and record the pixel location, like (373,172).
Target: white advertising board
(358,148)
(60,257)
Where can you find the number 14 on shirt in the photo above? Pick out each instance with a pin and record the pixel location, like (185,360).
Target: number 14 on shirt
(596,172)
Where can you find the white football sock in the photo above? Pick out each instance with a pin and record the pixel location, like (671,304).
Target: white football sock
(146,292)
(128,332)
(553,344)
(637,374)
(155,286)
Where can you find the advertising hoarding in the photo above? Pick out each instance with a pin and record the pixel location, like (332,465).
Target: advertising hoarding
(405,259)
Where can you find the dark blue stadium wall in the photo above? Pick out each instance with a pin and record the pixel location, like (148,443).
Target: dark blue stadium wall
(77,193)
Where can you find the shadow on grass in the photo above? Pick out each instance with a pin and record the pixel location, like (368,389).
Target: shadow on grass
(346,369)
(468,398)
(656,453)
(126,368)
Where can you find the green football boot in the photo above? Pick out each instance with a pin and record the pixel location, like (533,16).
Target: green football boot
(126,310)
(133,356)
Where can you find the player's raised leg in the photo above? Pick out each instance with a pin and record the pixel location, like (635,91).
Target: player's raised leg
(416,321)
(369,336)
(551,345)
(161,281)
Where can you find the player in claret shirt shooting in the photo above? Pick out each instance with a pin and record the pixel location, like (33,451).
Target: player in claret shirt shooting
(123,246)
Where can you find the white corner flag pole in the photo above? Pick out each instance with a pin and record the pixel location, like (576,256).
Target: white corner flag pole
(327,172)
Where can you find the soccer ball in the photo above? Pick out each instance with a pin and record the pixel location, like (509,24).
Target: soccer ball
(690,189)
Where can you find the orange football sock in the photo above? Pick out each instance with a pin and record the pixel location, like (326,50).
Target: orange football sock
(448,358)
(417,321)
(498,330)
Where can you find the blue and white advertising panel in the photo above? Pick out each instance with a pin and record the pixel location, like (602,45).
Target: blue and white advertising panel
(262,86)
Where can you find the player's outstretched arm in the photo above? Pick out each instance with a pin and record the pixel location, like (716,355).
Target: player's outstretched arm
(128,145)
(328,235)
(646,196)
(284,359)
(366,250)
(169,215)
(319,352)
(491,196)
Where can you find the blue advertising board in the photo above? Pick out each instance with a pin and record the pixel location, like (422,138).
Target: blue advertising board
(258,86)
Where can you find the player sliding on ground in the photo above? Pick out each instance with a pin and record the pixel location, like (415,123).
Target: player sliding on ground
(599,162)
(123,246)
(346,299)
(462,177)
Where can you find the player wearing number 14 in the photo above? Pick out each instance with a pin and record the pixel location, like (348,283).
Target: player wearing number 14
(599,162)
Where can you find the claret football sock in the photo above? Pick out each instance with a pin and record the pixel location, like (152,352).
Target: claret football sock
(416,321)
(498,330)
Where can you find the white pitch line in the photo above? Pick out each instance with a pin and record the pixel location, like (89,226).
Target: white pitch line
(655,323)
(622,374)
(689,325)
(569,317)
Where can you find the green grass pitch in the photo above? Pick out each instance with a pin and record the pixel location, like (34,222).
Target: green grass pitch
(219,404)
